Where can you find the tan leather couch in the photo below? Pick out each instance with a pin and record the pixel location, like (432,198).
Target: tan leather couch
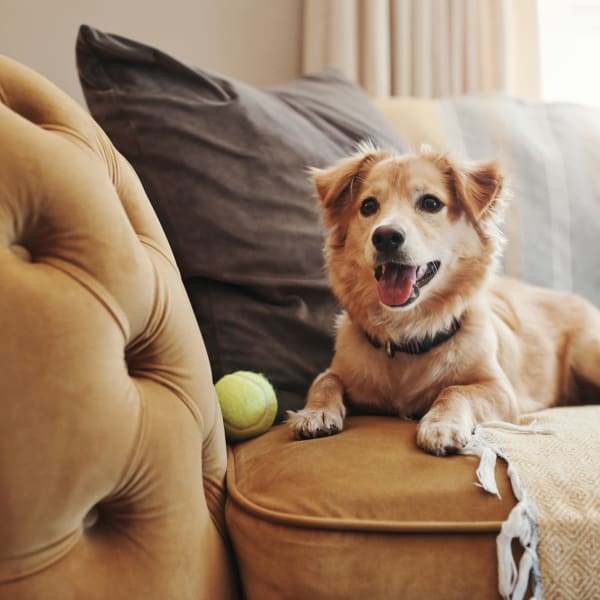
(111,446)
(113,457)
(113,452)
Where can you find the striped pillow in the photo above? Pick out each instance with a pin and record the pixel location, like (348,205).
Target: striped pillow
(550,154)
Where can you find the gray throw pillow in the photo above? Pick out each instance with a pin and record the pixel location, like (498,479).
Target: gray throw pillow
(224,165)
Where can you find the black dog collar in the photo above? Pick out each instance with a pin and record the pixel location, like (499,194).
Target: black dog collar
(416,346)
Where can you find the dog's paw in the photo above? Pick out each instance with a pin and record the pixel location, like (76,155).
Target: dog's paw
(315,423)
(443,437)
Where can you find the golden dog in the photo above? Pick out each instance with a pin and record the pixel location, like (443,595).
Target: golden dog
(428,331)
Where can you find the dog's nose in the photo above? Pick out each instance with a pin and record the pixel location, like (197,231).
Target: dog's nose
(387,238)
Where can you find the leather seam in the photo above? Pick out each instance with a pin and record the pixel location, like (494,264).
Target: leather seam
(95,288)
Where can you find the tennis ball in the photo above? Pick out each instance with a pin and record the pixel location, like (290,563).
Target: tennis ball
(248,404)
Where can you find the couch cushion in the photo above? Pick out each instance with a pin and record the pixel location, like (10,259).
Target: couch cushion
(550,153)
(224,165)
(363,514)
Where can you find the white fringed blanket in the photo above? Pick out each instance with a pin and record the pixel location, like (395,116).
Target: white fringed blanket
(556,479)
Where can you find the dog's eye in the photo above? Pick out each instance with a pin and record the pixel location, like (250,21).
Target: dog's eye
(369,207)
(430,204)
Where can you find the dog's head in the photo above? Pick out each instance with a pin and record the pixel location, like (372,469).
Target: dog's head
(408,231)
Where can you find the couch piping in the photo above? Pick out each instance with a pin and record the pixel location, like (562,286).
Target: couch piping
(293,520)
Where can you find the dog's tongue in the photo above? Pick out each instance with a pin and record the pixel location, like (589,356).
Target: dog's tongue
(396,284)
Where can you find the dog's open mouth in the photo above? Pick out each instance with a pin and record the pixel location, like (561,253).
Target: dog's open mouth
(398,285)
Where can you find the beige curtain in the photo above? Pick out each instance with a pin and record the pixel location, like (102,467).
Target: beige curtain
(429,48)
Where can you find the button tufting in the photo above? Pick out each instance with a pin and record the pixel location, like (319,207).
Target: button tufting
(91,518)
(103,473)
(21,252)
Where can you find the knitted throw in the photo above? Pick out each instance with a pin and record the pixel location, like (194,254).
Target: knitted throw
(556,481)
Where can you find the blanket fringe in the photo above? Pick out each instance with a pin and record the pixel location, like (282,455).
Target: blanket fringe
(521,523)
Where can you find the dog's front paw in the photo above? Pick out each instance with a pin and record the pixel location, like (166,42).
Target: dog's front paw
(443,437)
(315,423)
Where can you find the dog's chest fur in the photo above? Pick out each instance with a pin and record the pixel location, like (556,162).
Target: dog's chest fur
(374,382)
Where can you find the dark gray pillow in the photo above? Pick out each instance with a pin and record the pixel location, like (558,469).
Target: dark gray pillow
(224,165)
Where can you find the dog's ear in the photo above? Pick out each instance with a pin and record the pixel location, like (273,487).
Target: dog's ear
(477,186)
(338,185)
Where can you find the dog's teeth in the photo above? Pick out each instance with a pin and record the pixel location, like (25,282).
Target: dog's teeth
(420,272)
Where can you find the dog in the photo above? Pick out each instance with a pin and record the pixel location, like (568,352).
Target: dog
(428,330)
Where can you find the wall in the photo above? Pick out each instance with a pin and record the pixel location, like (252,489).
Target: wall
(257,41)
(571,75)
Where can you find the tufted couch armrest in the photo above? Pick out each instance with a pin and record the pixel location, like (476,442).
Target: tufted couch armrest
(112,455)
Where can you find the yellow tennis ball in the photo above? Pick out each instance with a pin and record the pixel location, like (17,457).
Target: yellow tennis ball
(248,404)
